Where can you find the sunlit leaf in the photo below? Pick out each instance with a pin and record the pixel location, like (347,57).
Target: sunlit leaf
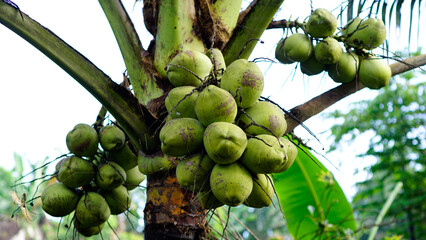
(306,185)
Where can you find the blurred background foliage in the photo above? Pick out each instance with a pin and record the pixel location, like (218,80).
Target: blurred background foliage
(396,119)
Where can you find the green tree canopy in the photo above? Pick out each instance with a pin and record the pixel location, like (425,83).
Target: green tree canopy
(397,118)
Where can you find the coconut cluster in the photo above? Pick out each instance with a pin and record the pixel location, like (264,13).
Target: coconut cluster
(327,54)
(226,140)
(93,182)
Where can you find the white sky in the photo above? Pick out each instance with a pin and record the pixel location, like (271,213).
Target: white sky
(40,103)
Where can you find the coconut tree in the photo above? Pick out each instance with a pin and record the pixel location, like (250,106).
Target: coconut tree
(177,26)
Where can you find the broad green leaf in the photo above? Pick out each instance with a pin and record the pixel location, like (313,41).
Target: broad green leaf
(313,203)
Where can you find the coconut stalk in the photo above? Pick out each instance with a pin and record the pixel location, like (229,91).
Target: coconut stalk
(176,32)
(168,212)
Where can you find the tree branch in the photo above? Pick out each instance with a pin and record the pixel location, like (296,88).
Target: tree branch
(316,105)
(135,119)
(143,82)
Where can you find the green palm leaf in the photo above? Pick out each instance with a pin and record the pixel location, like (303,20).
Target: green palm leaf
(313,203)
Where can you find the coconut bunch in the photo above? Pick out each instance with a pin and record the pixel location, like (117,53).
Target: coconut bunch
(93,182)
(358,36)
(226,140)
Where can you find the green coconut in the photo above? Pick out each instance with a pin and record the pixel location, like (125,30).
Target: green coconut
(208,200)
(154,163)
(370,34)
(181,70)
(291,154)
(87,231)
(345,69)
(133,178)
(218,61)
(215,104)
(298,47)
(92,210)
(374,73)
(262,193)
(118,199)
(244,80)
(231,183)
(181,136)
(123,156)
(110,175)
(352,27)
(279,53)
(76,172)
(328,51)
(264,154)
(193,173)
(111,138)
(265,114)
(181,100)
(58,167)
(82,140)
(224,142)
(322,23)
(312,66)
(58,200)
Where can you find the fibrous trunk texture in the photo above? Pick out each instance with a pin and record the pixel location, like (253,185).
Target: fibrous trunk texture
(172,212)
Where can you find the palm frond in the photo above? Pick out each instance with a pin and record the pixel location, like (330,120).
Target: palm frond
(413,2)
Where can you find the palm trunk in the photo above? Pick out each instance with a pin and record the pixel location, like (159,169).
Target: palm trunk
(172,212)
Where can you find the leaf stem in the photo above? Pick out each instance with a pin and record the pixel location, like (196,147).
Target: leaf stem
(143,83)
(134,118)
(254,23)
(384,210)
(311,189)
